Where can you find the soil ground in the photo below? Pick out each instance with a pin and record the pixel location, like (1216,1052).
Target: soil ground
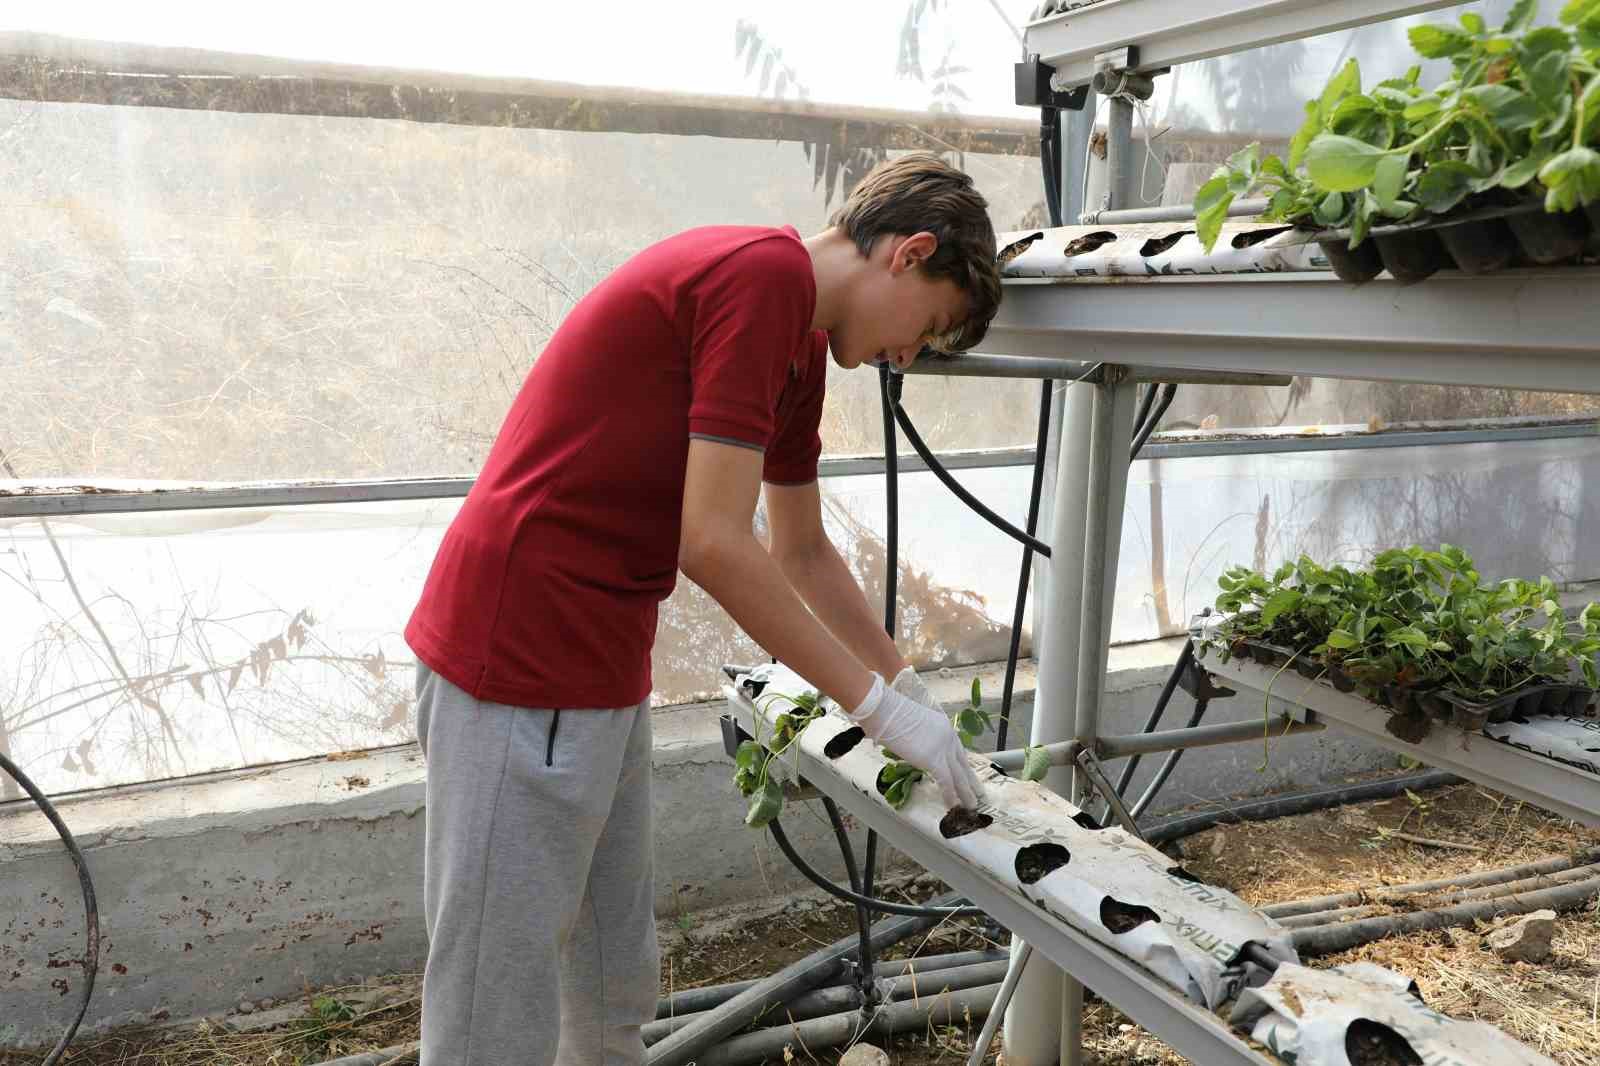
(1551,1007)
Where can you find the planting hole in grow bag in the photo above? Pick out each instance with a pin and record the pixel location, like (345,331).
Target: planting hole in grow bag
(753,686)
(1157,245)
(1370,1043)
(1181,874)
(1085,819)
(1036,860)
(843,742)
(1120,917)
(1016,248)
(959,821)
(1088,242)
(1258,236)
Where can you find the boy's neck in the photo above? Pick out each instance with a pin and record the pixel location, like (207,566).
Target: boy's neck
(835,265)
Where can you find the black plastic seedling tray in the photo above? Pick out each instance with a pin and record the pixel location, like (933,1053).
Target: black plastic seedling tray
(1549,698)
(1476,241)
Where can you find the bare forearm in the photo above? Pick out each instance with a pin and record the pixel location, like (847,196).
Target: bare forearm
(828,587)
(738,573)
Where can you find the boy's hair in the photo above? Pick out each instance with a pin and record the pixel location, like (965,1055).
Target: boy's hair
(921,192)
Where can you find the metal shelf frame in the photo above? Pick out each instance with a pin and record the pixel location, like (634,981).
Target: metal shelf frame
(1169,32)
(1543,782)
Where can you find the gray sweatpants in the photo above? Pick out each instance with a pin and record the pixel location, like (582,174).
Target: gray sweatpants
(537,884)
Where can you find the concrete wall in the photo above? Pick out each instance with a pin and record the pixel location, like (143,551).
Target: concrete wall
(256,884)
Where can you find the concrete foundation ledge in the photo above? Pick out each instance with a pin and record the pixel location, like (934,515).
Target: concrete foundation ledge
(258,884)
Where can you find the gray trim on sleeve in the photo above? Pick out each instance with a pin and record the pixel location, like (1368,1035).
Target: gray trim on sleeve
(727,440)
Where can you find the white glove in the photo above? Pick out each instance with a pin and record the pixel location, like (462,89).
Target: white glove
(910,685)
(922,737)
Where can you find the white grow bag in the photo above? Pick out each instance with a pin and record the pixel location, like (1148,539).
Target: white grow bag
(1326,1017)
(1104,882)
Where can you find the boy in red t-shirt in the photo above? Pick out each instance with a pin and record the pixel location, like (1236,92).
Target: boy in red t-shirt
(684,385)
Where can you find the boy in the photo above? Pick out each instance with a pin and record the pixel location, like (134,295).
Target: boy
(636,448)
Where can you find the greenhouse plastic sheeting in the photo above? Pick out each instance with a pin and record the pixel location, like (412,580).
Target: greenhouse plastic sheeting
(1330,1017)
(1108,884)
(1157,250)
(1574,741)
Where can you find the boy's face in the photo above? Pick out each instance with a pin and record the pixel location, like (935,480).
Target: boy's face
(895,309)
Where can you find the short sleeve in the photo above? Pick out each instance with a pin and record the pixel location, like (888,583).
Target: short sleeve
(792,456)
(751,312)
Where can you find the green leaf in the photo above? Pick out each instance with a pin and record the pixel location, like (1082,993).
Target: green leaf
(1342,164)
(1366,207)
(1473,23)
(1302,137)
(1389,179)
(1524,170)
(1410,636)
(1211,202)
(1330,211)
(764,805)
(1339,638)
(1342,84)
(748,755)
(1035,764)
(1577,11)
(1512,109)
(1421,108)
(1547,78)
(976,696)
(1439,42)
(1572,178)
(1520,17)
(1444,185)
(1280,601)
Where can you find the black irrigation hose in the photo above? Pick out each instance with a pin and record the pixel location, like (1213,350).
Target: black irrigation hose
(91,962)
(884,905)
(1269,807)
(960,491)
(1026,570)
(91,910)
(1147,399)
(863,915)
(1184,658)
(1148,426)
(1169,764)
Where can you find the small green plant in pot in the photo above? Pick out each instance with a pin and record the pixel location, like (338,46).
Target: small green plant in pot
(1518,121)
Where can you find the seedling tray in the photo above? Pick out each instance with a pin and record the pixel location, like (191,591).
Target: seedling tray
(1475,241)
(1550,698)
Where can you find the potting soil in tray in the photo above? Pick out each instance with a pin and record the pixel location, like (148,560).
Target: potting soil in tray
(1473,242)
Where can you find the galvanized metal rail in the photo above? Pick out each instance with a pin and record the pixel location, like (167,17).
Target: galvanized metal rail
(1544,782)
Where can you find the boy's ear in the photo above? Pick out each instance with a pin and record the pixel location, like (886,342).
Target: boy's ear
(911,252)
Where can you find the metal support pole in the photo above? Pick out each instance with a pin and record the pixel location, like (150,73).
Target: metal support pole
(1201,736)
(1033,1022)
(1107,488)
(1172,213)
(1122,181)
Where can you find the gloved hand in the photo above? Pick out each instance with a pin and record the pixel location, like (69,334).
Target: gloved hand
(922,737)
(909,685)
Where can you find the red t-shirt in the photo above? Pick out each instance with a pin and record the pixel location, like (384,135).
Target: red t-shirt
(545,588)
